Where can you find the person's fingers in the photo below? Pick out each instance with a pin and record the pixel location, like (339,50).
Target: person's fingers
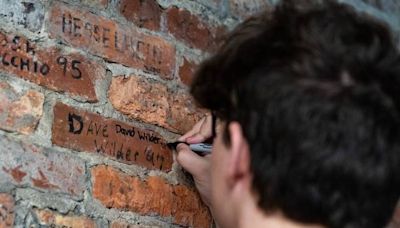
(204,133)
(196,128)
(198,137)
(200,134)
(190,161)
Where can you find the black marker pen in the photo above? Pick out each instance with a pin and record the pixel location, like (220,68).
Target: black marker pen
(199,148)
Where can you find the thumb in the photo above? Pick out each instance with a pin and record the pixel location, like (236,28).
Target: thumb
(190,161)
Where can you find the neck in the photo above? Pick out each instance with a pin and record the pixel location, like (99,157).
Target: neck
(252,216)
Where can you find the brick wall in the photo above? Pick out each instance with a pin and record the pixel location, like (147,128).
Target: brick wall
(90,92)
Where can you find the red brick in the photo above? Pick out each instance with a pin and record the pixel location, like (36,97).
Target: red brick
(140,99)
(244,8)
(115,189)
(53,219)
(189,28)
(184,113)
(145,13)
(49,67)
(153,103)
(186,71)
(116,43)
(6,210)
(19,112)
(25,164)
(84,131)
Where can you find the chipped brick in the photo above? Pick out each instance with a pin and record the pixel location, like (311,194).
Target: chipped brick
(115,189)
(19,112)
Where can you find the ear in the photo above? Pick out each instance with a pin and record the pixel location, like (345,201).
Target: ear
(239,162)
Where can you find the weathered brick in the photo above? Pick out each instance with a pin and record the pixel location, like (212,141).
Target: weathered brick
(49,67)
(115,189)
(53,219)
(145,14)
(152,102)
(6,210)
(19,112)
(140,99)
(116,43)
(184,113)
(186,71)
(25,164)
(25,14)
(84,131)
(189,28)
(246,8)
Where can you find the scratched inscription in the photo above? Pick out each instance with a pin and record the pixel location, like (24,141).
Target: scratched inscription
(104,37)
(50,67)
(89,132)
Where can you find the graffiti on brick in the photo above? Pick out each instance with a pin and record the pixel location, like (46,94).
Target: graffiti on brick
(118,43)
(133,46)
(20,54)
(49,66)
(89,132)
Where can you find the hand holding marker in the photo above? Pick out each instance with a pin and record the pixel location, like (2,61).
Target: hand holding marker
(201,149)
(205,128)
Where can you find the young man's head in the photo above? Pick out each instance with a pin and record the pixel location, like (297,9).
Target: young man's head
(313,94)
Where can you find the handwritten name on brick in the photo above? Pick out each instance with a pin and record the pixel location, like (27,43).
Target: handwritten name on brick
(90,132)
(104,37)
(49,67)
(147,197)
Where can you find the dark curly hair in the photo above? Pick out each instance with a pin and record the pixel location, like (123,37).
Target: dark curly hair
(316,89)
